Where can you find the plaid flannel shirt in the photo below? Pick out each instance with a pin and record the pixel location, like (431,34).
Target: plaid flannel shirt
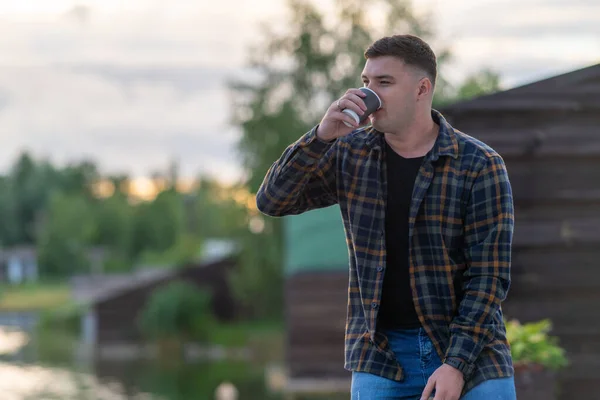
(460,225)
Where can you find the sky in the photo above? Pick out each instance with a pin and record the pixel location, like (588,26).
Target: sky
(135,84)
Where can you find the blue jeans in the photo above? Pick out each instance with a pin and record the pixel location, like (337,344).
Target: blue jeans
(419,359)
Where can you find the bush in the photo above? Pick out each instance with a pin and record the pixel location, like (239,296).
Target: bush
(66,317)
(532,347)
(178,311)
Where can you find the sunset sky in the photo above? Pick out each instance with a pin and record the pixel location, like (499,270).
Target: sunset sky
(135,83)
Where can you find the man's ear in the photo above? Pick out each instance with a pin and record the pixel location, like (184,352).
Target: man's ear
(425,87)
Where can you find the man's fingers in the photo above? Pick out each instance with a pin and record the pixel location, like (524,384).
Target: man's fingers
(356,100)
(357,92)
(340,116)
(349,104)
(428,389)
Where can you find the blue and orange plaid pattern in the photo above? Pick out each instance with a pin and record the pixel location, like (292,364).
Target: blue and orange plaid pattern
(460,225)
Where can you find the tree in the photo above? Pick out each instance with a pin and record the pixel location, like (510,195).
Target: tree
(120,183)
(32,184)
(178,310)
(304,69)
(301,71)
(159,223)
(478,84)
(9,228)
(114,219)
(65,236)
(27,191)
(222,211)
(78,178)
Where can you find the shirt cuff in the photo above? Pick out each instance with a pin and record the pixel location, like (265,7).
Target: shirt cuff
(314,144)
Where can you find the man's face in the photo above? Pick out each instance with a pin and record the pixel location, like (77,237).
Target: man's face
(397,86)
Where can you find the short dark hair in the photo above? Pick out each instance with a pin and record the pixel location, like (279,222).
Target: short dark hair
(410,49)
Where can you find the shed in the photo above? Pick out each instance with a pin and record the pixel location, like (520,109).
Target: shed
(113,312)
(548,132)
(316,287)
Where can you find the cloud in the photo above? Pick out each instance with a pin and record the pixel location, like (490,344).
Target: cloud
(534,23)
(130,85)
(134,84)
(135,124)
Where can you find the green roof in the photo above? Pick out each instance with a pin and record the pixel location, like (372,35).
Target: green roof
(315,241)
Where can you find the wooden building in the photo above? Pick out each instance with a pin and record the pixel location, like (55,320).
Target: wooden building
(112,316)
(548,132)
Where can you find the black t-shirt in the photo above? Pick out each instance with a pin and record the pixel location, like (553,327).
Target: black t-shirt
(397,309)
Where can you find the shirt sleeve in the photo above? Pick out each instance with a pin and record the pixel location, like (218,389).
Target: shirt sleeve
(302,179)
(489,226)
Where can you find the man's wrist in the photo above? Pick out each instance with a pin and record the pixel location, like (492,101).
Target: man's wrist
(323,138)
(461,365)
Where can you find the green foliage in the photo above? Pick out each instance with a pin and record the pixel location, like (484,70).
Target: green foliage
(114,224)
(9,228)
(78,178)
(200,380)
(65,318)
(531,345)
(304,69)
(258,280)
(187,249)
(246,333)
(178,310)
(159,223)
(222,211)
(481,83)
(31,186)
(115,263)
(65,236)
(65,213)
(38,296)
(477,84)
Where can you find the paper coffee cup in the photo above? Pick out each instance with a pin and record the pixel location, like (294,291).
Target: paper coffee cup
(373,103)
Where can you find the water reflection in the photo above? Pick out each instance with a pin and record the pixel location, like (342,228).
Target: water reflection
(12,340)
(29,382)
(21,380)
(51,365)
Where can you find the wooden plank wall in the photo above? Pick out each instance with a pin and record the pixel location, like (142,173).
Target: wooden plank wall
(554,166)
(553,160)
(315,320)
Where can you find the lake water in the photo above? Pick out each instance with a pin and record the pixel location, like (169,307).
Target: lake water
(54,366)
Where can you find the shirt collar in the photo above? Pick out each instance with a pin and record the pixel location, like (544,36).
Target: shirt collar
(446,143)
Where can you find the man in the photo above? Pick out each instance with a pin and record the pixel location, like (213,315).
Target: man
(428,216)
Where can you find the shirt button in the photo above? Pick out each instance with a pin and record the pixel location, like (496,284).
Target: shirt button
(379,269)
(374,305)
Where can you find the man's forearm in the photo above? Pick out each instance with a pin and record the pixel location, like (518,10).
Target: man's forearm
(303,178)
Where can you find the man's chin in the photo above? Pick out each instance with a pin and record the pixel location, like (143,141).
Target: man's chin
(377,125)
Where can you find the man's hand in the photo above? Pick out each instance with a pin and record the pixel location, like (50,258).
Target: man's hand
(332,125)
(448,383)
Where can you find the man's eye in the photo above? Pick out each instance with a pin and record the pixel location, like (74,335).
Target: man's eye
(384,82)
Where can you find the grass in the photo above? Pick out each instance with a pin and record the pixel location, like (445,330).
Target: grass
(265,339)
(33,296)
(241,334)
